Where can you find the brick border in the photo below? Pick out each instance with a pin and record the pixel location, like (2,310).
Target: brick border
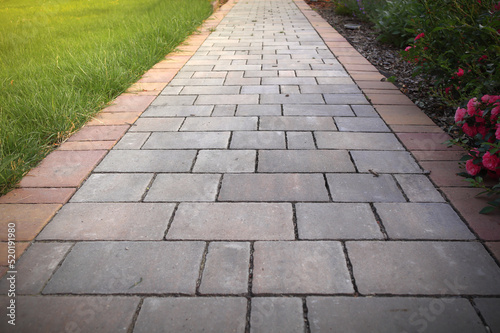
(416,131)
(47,187)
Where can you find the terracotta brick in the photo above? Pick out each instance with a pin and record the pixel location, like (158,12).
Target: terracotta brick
(38,195)
(147,88)
(381,91)
(360,67)
(495,249)
(129,102)
(466,201)
(158,75)
(114,118)
(403,115)
(375,84)
(438,155)
(20,248)
(63,169)
(426,141)
(354,60)
(100,133)
(29,219)
(396,98)
(87,145)
(444,173)
(366,76)
(416,128)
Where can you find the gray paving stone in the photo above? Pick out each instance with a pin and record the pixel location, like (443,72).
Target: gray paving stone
(392,314)
(288,80)
(210,90)
(291,99)
(178,111)
(220,124)
(132,141)
(317,110)
(228,99)
(171,90)
(273,187)
(157,125)
(147,161)
(355,124)
(303,267)
(357,141)
(173,100)
(258,140)
(300,140)
(336,221)
(489,310)
(422,221)
(418,188)
(385,161)
(196,81)
(184,187)
(304,161)
(109,221)
(289,89)
(276,314)
(35,268)
(321,73)
(261,73)
(345,99)
(364,111)
(419,268)
(334,80)
(188,140)
(260,89)
(363,188)
(192,314)
(125,268)
(258,110)
(225,161)
(226,268)
(290,123)
(205,75)
(232,221)
(330,88)
(71,314)
(224,110)
(113,187)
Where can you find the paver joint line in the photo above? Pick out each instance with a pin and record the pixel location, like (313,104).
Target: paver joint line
(259,190)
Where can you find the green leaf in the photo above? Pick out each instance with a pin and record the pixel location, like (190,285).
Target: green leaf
(487,210)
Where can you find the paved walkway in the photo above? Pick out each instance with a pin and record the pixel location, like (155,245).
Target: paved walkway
(259,192)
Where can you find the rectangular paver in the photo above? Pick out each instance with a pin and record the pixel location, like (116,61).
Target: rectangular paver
(147,161)
(363,188)
(187,140)
(304,161)
(183,187)
(355,140)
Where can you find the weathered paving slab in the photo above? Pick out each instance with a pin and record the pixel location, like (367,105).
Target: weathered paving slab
(352,187)
(357,141)
(201,314)
(74,313)
(273,187)
(447,268)
(147,161)
(258,140)
(385,161)
(187,140)
(296,124)
(109,221)
(225,161)
(304,161)
(232,221)
(300,268)
(226,268)
(336,221)
(277,314)
(125,268)
(392,314)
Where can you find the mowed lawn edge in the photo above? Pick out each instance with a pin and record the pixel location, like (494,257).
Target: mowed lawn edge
(62,61)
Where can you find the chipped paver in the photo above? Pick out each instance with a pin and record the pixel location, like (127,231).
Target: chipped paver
(272,183)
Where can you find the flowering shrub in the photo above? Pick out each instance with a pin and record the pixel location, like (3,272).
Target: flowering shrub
(479,125)
(457,44)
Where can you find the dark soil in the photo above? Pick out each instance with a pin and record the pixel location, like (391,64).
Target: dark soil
(387,59)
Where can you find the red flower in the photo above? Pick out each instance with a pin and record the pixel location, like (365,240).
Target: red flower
(459,114)
(471,106)
(460,72)
(483,57)
(419,36)
(497,133)
(491,162)
(472,169)
(469,130)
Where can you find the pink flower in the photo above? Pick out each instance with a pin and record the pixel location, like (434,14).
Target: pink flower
(482,130)
(459,114)
(408,48)
(485,98)
(469,130)
(447,90)
(471,106)
(419,36)
(460,72)
(497,133)
(472,169)
(495,111)
(491,162)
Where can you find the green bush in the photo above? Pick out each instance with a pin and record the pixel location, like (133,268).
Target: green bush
(457,44)
(395,21)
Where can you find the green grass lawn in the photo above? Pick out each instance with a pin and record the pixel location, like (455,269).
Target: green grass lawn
(61,61)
